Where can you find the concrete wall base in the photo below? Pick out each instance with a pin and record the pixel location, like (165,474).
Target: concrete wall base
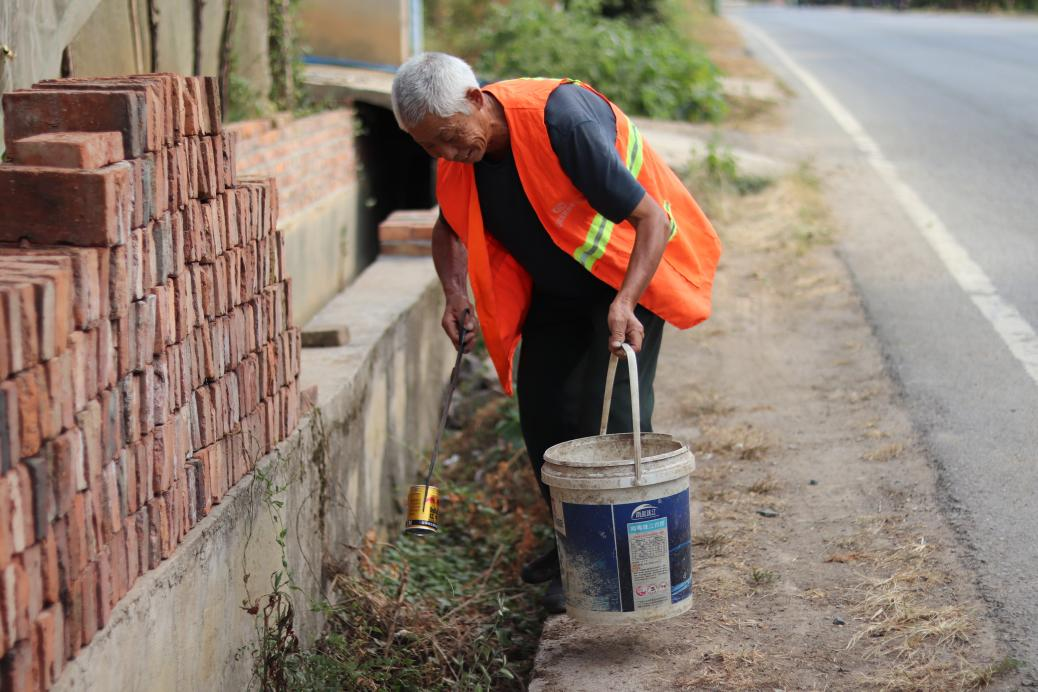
(321,251)
(342,473)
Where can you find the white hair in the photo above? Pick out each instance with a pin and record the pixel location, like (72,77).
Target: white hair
(431,83)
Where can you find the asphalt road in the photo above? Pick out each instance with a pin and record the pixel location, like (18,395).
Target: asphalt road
(950,105)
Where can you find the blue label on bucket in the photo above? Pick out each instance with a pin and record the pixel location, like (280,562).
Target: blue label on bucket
(627,557)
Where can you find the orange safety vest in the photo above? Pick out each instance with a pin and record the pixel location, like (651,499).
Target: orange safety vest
(680,289)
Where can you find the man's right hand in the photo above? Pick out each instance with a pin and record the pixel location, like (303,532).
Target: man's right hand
(453,315)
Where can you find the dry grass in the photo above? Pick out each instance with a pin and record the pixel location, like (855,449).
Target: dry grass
(939,675)
(739,669)
(717,495)
(982,676)
(713,543)
(910,618)
(700,403)
(741,442)
(723,584)
(850,556)
(812,224)
(899,611)
(789,219)
(764,486)
(906,617)
(887,452)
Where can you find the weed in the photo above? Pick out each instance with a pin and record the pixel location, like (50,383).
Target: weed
(713,543)
(806,176)
(507,426)
(763,577)
(714,178)
(436,612)
(719,169)
(808,234)
(277,646)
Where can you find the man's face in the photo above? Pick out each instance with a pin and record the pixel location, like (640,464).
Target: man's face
(460,137)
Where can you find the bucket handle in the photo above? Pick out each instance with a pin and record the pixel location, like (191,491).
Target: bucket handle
(636,417)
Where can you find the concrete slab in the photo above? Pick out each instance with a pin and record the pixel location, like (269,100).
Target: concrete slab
(340,83)
(680,143)
(321,250)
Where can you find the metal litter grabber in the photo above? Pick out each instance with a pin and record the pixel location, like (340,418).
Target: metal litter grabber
(423,501)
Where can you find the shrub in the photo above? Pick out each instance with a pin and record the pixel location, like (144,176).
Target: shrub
(647,67)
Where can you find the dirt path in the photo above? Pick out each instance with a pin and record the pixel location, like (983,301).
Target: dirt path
(783,396)
(857,581)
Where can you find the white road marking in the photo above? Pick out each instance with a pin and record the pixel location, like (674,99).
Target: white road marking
(1007,321)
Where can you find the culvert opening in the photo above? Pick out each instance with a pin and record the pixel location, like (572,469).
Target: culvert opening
(395,173)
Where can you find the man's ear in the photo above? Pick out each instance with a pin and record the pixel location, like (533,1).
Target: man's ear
(475,97)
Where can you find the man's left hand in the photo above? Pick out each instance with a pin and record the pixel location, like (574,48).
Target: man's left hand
(624,327)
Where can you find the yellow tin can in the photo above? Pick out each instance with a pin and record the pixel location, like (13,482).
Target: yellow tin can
(423,517)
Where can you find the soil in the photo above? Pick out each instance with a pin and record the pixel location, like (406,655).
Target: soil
(821,559)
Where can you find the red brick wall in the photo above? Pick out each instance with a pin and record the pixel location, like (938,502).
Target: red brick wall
(309,157)
(147,354)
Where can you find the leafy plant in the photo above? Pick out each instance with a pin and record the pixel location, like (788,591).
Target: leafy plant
(630,8)
(715,177)
(762,577)
(646,65)
(243,100)
(722,170)
(453,26)
(507,426)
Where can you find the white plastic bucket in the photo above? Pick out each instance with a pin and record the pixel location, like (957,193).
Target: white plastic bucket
(621,505)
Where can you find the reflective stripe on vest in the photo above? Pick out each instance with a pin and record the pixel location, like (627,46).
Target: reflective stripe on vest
(673,223)
(601,228)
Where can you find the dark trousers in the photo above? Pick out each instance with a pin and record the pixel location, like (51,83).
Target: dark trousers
(562,370)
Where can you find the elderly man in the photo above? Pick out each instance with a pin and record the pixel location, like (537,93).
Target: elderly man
(575,238)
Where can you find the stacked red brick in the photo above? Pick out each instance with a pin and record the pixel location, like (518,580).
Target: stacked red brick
(147,355)
(407,232)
